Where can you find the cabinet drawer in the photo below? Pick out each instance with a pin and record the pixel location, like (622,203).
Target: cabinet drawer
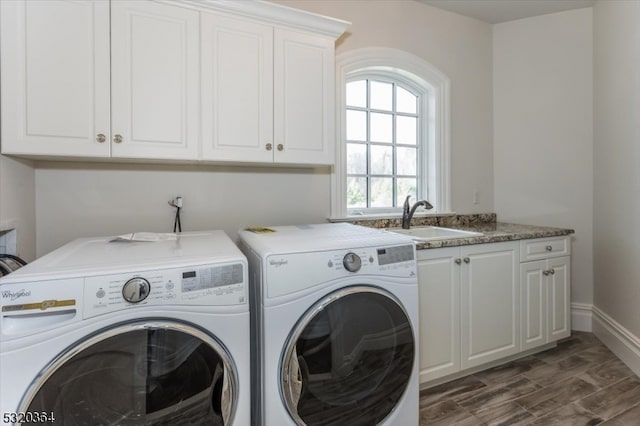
(542,248)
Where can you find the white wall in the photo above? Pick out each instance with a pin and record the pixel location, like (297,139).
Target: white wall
(17,203)
(543,132)
(112,199)
(617,163)
(76,200)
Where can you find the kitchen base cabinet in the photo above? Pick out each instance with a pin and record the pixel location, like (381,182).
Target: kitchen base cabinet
(546,286)
(439,312)
(484,304)
(489,303)
(469,304)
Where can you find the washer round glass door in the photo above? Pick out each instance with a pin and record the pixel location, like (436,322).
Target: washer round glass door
(349,359)
(142,373)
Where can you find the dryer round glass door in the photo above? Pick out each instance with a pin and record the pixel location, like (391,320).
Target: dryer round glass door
(349,359)
(143,373)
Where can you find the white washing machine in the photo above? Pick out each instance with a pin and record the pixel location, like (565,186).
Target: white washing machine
(128,333)
(334,325)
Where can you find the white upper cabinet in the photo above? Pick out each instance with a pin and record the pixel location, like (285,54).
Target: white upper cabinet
(55,77)
(237,89)
(304,98)
(241,81)
(268,93)
(154,80)
(62,94)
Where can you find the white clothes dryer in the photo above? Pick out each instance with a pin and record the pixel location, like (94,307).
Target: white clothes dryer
(334,325)
(128,333)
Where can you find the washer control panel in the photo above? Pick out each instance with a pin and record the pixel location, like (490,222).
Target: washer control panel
(311,269)
(220,284)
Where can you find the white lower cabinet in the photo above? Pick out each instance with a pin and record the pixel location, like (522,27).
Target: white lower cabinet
(482,303)
(439,312)
(545,302)
(469,299)
(489,302)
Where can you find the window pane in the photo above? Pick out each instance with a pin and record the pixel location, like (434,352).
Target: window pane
(357,93)
(381,95)
(381,127)
(381,192)
(406,130)
(381,160)
(356,125)
(406,101)
(406,161)
(406,186)
(356,158)
(356,192)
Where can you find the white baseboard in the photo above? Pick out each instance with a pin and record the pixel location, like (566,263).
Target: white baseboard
(621,341)
(581,316)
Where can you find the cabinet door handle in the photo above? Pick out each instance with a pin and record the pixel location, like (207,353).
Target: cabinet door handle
(458,261)
(117,138)
(280,147)
(548,248)
(467,260)
(101,138)
(545,273)
(552,271)
(269,147)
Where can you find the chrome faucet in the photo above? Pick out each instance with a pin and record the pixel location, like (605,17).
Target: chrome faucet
(408,210)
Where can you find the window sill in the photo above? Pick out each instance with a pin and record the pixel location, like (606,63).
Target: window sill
(377,216)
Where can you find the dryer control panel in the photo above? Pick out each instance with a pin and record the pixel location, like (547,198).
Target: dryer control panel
(203,285)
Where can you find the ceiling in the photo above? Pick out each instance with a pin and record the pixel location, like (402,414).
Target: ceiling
(496,11)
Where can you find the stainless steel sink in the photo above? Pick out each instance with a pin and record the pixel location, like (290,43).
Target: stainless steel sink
(427,233)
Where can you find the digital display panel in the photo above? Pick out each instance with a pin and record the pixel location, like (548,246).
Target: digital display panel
(392,255)
(217,276)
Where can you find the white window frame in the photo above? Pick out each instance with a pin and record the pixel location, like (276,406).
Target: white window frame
(434,88)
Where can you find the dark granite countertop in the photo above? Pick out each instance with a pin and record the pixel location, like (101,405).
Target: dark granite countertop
(495,232)
(486,223)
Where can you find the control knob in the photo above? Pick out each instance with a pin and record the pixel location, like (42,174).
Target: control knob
(136,290)
(352,262)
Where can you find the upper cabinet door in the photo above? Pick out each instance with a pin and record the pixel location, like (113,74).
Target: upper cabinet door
(55,77)
(237,90)
(155,80)
(303,98)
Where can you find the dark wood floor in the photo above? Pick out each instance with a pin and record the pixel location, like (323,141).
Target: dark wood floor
(580,382)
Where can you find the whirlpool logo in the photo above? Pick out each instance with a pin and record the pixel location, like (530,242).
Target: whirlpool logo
(13,295)
(278,262)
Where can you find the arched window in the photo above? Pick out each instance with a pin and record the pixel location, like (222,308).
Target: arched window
(394,133)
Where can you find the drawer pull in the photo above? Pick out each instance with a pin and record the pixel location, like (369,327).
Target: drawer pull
(548,248)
